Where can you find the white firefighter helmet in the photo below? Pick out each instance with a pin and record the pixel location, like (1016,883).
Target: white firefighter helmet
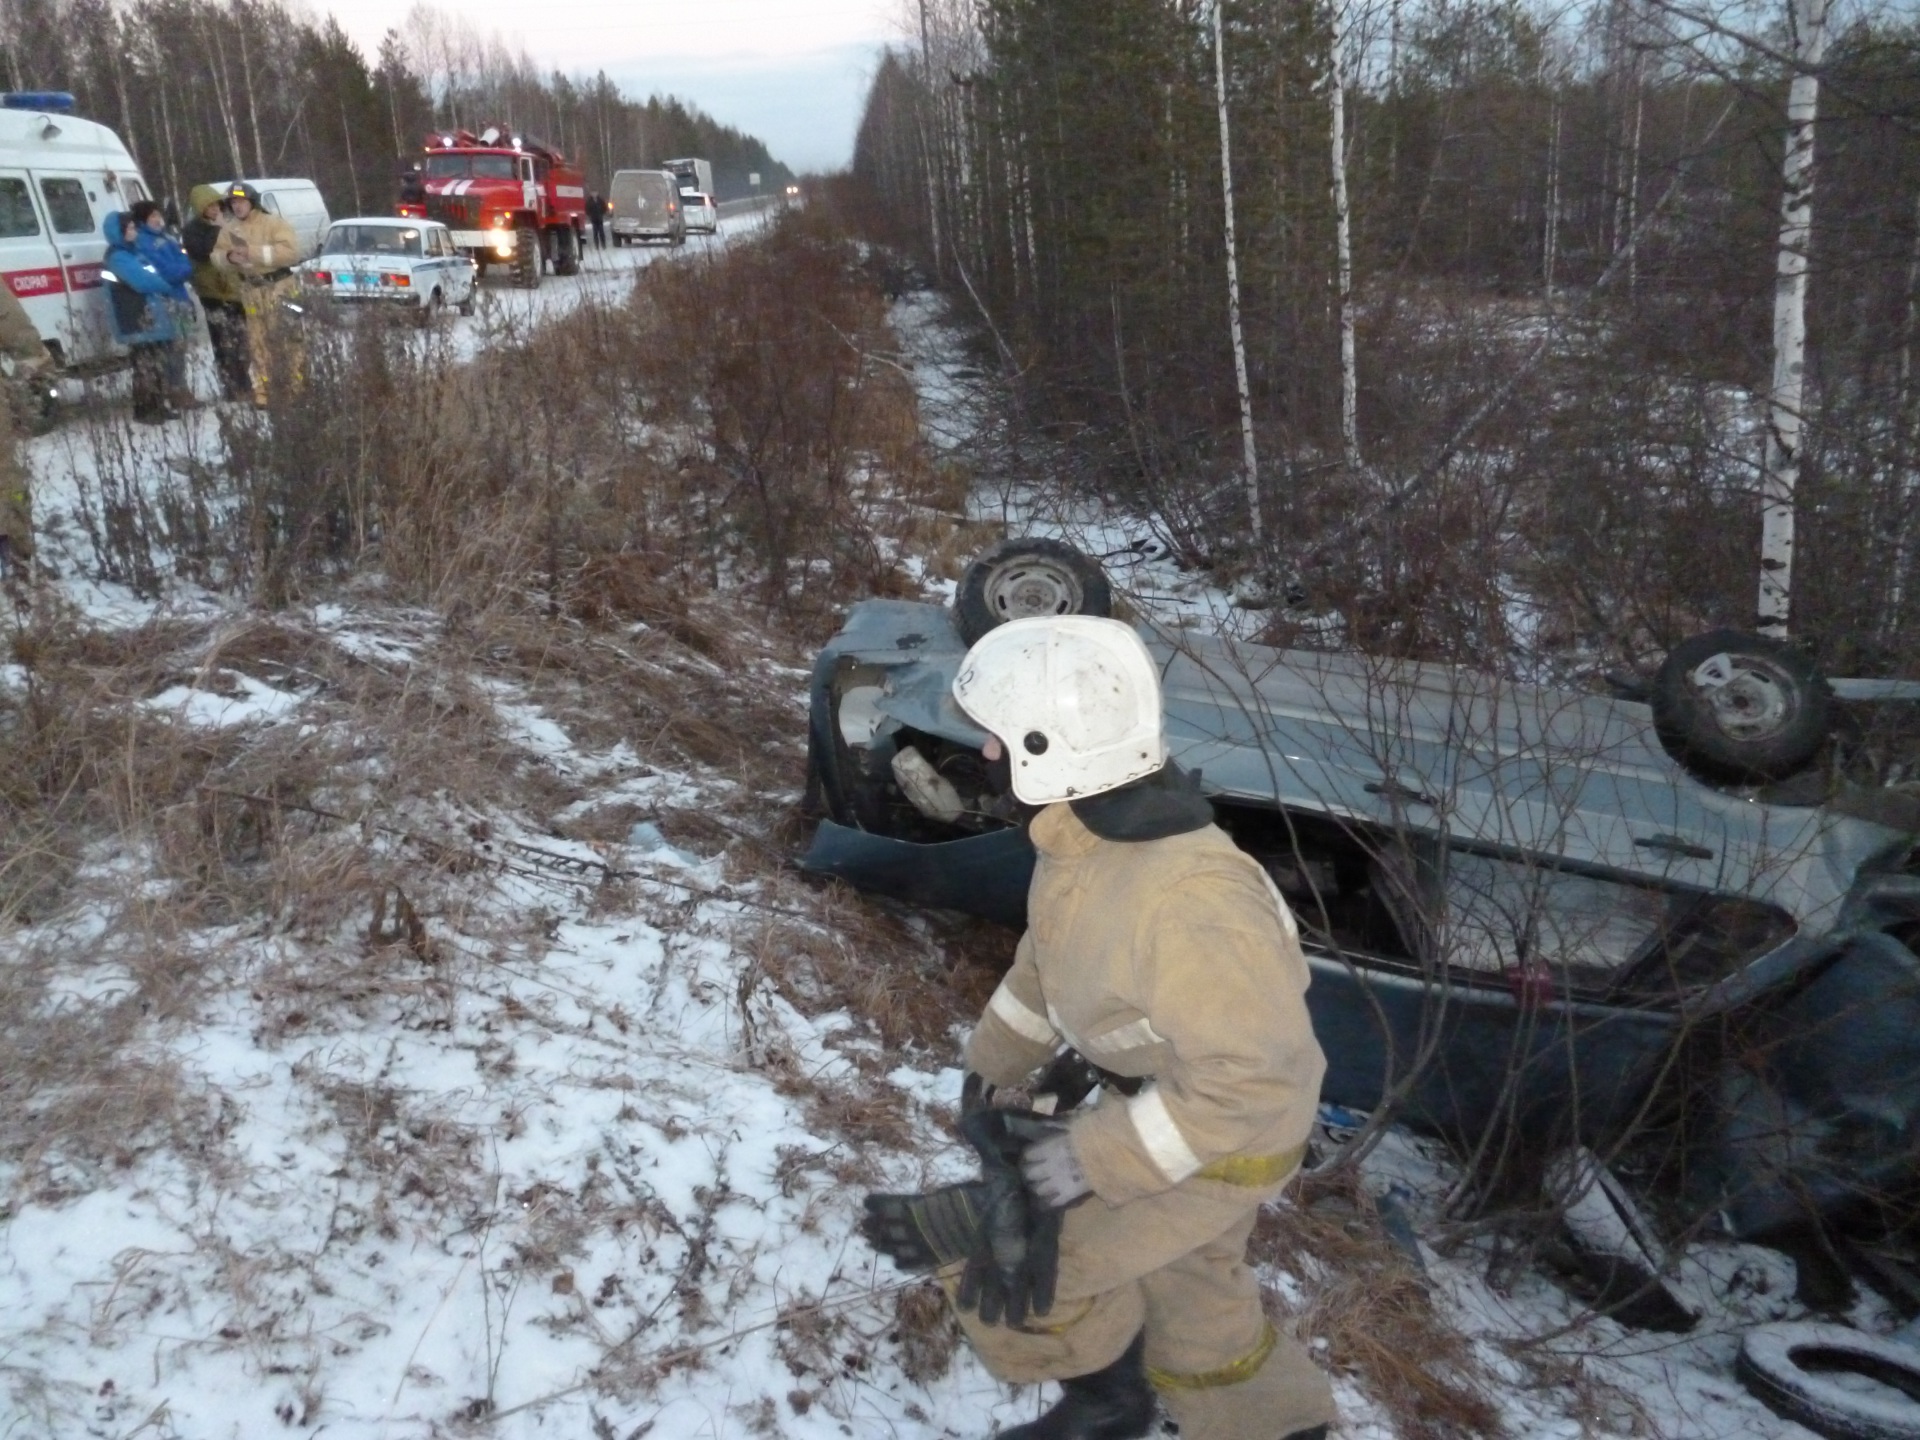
(1076,701)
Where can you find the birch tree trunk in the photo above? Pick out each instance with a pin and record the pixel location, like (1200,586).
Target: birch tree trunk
(930,158)
(223,95)
(253,107)
(1633,173)
(1550,240)
(1249,453)
(1343,239)
(1780,462)
(1906,483)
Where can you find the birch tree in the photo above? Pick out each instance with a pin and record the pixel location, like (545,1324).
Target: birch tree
(1250,456)
(1343,236)
(1780,461)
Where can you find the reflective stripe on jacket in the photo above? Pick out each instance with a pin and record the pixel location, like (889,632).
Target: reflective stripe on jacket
(1173,958)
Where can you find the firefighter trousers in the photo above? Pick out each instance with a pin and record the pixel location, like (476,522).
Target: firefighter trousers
(273,345)
(1174,1264)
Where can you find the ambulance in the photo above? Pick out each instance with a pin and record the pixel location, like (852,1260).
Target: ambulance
(60,177)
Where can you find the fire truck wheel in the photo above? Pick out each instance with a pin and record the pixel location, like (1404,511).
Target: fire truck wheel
(526,258)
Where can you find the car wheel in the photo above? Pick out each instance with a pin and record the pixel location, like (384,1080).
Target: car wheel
(1817,1376)
(1020,579)
(434,311)
(566,252)
(1737,707)
(526,258)
(466,306)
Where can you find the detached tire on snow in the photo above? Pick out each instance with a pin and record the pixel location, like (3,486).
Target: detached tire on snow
(1802,1371)
(1021,579)
(1737,707)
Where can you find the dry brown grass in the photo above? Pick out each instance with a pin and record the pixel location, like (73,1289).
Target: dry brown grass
(1371,1305)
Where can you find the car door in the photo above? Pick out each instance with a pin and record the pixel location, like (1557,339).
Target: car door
(75,211)
(29,261)
(455,270)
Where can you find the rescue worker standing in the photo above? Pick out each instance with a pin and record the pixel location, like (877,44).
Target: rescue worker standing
(26,364)
(260,248)
(219,290)
(1163,954)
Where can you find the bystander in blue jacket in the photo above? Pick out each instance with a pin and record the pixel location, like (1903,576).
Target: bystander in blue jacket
(169,257)
(140,305)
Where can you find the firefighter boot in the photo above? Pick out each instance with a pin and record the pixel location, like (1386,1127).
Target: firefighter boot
(1112,1404)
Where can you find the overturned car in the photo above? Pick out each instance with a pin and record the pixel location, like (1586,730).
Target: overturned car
(1529,924)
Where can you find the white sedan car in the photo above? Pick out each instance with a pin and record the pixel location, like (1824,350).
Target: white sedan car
(702,215)
(399,262)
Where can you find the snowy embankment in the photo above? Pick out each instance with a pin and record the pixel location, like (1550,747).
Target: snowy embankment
(461,1057)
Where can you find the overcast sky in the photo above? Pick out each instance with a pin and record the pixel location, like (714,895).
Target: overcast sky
(793,72)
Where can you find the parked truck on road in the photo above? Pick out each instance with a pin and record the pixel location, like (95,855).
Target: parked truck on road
(691,174)
(508,199)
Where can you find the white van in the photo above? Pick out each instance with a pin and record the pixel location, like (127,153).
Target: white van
(298,203)
(645,205)
(60,177)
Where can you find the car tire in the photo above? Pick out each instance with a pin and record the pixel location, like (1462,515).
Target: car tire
(1792,1367)
(1731,706)
(527,258)
(434,312)
(1023,578)
(466,306)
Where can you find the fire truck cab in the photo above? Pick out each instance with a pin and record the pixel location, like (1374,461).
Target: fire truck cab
(508,200)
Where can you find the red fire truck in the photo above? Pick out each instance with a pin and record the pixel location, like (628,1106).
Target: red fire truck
(508,199)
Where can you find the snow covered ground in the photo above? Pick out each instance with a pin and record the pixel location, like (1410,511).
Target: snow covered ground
(538,1110)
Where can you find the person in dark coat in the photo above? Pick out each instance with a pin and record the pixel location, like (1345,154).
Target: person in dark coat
(597,217)
(220,293)
(140,306)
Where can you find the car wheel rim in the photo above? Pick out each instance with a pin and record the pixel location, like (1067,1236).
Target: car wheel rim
(1748,698)
(1033,588)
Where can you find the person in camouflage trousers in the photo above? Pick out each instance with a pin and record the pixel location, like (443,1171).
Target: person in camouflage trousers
(24,364)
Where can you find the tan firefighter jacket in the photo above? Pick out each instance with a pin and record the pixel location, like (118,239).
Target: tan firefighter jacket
(271,247)
(1172,958)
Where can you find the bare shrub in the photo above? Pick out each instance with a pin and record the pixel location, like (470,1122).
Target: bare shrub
(1371,1306)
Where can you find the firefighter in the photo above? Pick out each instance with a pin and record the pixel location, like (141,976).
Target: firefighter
(221,295)
(262,250)
(1163,954)
(27,367)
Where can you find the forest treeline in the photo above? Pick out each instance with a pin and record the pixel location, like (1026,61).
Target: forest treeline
(208,89)
(1509,358)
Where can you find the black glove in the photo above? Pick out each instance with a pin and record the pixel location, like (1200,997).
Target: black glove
(928,1230)
(1015,1260)
(976,1093)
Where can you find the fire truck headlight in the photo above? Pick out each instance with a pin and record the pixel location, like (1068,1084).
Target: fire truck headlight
(503,242)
